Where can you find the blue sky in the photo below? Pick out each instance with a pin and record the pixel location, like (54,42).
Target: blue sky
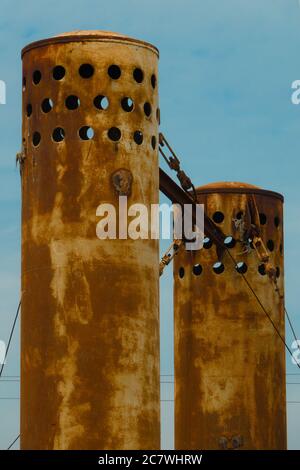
(226,69)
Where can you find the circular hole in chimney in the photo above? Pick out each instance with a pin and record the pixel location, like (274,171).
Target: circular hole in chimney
(29,110)
(127,104)
(207,243)
(250,243)
(138,75)
(58,134)
(241,267)
(86,70)
(218,267)
(262,218)
(101,102)
(158,115)
(114,134)
(276,221)
(239,215)
(153,81)
(47,105)
(218,217)
(270,245)
(153,142)
(72,102)
(58,72)
(262,269)
(277,271)
(138,137)
(197,269)
(181,272)
(229,242)
(36,139)
(147,109)
(36,77)
(86,133)
(114,71)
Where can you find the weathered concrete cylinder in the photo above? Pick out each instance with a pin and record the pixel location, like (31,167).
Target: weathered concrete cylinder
(90,319)
(229,360)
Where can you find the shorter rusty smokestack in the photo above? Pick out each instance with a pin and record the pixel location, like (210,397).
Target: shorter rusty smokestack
(229,360)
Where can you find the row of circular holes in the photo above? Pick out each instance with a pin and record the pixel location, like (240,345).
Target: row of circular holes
(230,242)
(218,218)
(101,102)
(87,133)
(219,268)
(87,71)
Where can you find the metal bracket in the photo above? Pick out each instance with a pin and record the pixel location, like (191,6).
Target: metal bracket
(173,163)
(169,255)
(229,443)
(122,181)
(20,158)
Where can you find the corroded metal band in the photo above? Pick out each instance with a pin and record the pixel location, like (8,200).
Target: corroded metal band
(227,190)
(88,38)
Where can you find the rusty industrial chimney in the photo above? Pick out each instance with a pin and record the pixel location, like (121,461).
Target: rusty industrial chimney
(229,359)
(90,320)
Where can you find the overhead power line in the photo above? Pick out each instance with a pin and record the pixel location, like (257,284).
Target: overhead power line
(9,398)
(263,308)
(13,442)
(10,337)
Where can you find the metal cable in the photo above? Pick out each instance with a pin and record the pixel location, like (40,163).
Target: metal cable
(10,337)
(287,383)
(263,308)
(9,398)
(286,401)
(292,328)
(13,442)
(9,380)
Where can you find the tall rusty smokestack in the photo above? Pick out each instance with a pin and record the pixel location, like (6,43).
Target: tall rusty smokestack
(90,320)
(229,360)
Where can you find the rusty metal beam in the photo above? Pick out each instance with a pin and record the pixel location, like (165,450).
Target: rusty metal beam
(177,196)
